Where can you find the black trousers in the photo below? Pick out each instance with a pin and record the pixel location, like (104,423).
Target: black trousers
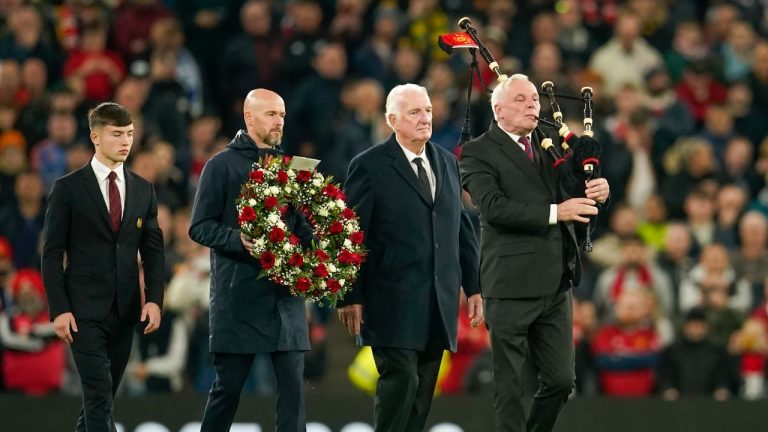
(231,372)
(545,325)
(101,350)
(407,380)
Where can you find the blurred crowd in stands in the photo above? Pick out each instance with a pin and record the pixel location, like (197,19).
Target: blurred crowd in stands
(674,299)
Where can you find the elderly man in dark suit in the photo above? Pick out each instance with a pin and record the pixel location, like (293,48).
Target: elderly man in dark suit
(97,222)
(530,235)
(422,250)
(248,315)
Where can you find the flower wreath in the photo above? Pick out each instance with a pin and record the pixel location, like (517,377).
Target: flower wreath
(328,269)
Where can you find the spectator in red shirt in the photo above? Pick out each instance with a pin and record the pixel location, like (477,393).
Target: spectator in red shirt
(627,351)
(93,68)
(33,359)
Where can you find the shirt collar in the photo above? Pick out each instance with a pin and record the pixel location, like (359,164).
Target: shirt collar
(411,155)
(102,171)
(516,138)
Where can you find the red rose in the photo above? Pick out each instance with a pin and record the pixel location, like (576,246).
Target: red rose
(303,284)
(286,160)
(330,190)
(296,260)
(340,196)
(345,257)
(292,239)
(282,177)
(333,285)
(257,176)
(247,214)
(336,228)
(276,235)
(356,237)
(321,255)
(267,260)
(348,213)
(283,210)
(271,202)
(357,259)
(320,270)
(303,176)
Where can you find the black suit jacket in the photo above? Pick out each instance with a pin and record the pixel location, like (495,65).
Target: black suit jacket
(522,255)
(86,265)
(416,248)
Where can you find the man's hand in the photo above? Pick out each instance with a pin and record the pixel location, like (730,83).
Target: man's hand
(351,316)
(62,324)
(247,243)
(576,209)
(598,190)
(476,314)
(151,310)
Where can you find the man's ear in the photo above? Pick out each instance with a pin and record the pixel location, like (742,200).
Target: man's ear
(94,137)
(392,120)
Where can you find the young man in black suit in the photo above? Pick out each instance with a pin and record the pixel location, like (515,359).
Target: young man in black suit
(531,232)
(100,220)
(422,250)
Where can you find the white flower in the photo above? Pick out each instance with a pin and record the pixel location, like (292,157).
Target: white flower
(340,204)
(331,268)
(252,202)
(342,282)
(287,246)
(323,244)
(317,181)
(274,190)
(347,243)
(350,228)
(278,261)
(331,204)
(260,242)
(273,218)
(291,173)
(287,189)
(281,225)
(323,212)
(322,284)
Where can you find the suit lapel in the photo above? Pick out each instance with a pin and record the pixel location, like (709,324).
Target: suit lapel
(92,186)
(546,171)
(437,161)
(513,151)
(403,167)
(130,183)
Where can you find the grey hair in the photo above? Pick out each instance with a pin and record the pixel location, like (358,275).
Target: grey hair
(499,89)
(394,96)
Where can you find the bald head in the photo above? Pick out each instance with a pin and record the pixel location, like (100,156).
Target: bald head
(264,114)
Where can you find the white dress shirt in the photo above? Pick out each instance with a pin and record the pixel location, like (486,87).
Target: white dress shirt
(427,167)
(552,207)
(102,173)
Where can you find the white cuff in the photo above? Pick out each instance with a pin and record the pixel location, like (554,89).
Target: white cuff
(553,214)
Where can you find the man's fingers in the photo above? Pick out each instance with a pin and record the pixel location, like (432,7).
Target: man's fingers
(357,324)
(471,310)
(73,323)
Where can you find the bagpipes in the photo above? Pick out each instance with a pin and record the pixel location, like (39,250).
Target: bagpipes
(577,158)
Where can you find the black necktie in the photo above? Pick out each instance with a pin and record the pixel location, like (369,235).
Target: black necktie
(423,179)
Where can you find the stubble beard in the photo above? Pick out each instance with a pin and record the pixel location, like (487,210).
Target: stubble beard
(273,140)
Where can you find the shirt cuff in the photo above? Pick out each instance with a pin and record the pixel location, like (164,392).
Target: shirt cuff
(553,214)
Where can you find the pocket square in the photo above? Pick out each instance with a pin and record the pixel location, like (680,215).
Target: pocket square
(139,223)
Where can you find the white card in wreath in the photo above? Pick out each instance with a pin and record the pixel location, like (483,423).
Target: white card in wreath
(299,163)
